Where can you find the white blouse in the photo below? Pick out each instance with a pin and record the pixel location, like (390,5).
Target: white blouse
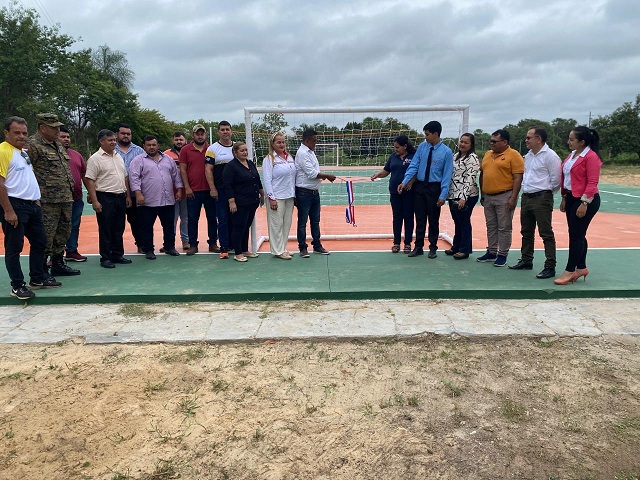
(279,176)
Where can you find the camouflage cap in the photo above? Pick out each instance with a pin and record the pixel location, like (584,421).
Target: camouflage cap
(49,119)
(197,127)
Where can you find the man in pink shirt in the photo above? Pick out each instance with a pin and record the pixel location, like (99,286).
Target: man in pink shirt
(78,168)
(153,178)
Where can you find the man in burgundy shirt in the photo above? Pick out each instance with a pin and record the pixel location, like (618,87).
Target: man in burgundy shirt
(78,168)
(153,178)
(196,188)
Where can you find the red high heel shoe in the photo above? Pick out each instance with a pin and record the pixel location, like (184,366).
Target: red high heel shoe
(566,278)
(582,272)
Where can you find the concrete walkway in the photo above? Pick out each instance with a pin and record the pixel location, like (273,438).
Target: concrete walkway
(318,320)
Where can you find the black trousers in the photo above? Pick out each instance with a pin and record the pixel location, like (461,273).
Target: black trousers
(111,222)
(240,224)
(134,220)
(30,225)
(402,209)
(427,209)
(578,230)
(147,218)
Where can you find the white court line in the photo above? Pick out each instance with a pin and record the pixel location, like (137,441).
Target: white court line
(618,193)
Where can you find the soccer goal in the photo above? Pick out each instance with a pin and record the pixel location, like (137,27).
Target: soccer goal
(353,143)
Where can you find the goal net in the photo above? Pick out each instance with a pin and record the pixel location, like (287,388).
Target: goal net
(353,143)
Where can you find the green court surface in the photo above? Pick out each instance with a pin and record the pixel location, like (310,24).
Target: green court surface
(341,276)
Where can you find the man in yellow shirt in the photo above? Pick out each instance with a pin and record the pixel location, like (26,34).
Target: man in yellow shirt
(21,212)
(500,180)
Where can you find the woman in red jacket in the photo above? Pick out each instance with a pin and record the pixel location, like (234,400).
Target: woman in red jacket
(580,198)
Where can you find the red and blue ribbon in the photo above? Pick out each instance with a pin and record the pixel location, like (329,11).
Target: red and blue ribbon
(350,213)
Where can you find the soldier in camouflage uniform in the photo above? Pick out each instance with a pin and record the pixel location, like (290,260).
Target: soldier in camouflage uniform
(51,167)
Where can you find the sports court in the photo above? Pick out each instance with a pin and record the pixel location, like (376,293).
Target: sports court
(357,268)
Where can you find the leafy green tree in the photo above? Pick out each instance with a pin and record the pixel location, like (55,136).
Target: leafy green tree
(518,132)
(270,123)
(30,57)
(113,64)
(620,131)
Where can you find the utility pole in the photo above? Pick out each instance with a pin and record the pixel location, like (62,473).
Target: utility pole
(589,119)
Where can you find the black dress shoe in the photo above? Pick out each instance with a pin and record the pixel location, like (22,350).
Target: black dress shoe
(121,260)
(450,252)
(172,251)
(521,266)
(546,273)
(107,264)
(150,255)
(415,252)
(432,253)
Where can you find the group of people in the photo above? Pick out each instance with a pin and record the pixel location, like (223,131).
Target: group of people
(41,180)
(423,179)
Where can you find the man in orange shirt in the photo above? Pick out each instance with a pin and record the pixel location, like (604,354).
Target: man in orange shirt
(500,181)
(179,141)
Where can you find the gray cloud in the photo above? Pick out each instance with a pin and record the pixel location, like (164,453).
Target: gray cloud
(508,59)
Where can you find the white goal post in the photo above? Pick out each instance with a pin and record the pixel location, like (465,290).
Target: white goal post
(353,143)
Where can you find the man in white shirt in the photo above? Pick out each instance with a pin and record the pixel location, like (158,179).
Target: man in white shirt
(308,178)
(218,155)
(21,212)
(542,173)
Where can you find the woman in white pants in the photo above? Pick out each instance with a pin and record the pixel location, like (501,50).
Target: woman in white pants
(279,180)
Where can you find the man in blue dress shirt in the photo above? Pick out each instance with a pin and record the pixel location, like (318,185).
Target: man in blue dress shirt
(432,165)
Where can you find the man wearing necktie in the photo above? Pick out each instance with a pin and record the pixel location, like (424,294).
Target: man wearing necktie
(432,165)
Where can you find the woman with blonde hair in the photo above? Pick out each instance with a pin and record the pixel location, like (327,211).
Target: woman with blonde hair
(279,178)
(243,188)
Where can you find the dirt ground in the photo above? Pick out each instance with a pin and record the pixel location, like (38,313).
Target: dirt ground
(622,175)
(438,408)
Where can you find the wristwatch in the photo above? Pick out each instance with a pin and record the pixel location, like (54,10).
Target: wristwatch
(585,203)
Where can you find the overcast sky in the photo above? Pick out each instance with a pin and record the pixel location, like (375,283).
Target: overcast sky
(507,59)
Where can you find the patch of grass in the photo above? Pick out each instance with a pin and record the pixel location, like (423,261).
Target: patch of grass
(367,410)
(188,407)
(322,355)
(328,389)
(117,438)
(154,387)
(136,310)
(242,363)
(258,435)
(164,470)
(413,400)
(114,357)
(513,411)
(194,353)
(219,385)
(14,376)
(628,428)
(120,476)
(623,475)
(453,389)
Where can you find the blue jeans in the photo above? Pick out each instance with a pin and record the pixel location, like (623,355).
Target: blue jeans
(463,236)
(76,216)
(30,225)
(308,203)
(222,211)
(202,198)
(182,213)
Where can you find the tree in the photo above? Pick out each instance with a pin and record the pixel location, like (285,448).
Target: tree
(518,132)
(30,57)
(620,131)
(271,123)
(114,64)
